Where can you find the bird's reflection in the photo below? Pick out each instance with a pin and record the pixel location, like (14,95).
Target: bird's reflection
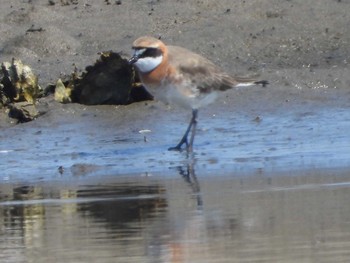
(144,214)
(188,174)
(124,204)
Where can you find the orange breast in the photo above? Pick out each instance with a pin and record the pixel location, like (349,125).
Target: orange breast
(154,77)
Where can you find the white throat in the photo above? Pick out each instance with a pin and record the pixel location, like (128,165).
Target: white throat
(148,64)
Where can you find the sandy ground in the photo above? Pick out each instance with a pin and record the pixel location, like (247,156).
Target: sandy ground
(291,43)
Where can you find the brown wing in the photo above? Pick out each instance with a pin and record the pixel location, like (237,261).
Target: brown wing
(205,75)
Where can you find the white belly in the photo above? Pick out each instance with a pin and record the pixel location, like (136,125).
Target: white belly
(182,96)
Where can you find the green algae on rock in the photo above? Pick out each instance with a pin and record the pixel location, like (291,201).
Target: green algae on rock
(18,82)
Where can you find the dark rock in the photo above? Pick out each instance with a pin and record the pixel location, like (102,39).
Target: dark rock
(22,111)
(108,81)
(139,93)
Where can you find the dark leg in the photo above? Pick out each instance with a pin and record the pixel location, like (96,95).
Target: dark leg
(194,126)
(191,126)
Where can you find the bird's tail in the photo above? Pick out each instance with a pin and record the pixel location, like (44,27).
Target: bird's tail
(244,82)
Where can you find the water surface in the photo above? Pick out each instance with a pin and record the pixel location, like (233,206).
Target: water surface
(267,189)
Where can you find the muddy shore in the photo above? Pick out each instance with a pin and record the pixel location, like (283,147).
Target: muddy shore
(306,61)
(301,47)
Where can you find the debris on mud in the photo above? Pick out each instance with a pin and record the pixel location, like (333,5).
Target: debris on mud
(109,81)
(19,90)
(22,111)
(62,93)
(18,82)
(66,2)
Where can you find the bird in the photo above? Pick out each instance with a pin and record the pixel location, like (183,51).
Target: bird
(176,75)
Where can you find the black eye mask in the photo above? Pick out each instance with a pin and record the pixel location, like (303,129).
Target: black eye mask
(151,52)
(147,53)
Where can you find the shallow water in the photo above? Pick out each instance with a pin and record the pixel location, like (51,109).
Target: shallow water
(267,189)
(178,217)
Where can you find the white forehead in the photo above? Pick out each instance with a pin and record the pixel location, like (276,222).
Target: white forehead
(138,52)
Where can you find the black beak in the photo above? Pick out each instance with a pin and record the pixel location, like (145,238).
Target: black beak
(133,59)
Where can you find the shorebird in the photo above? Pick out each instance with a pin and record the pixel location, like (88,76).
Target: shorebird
(178,76)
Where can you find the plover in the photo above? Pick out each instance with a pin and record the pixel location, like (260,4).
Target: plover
(178,76)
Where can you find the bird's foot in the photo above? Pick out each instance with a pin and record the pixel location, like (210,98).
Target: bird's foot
(178,147)
(188,148)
